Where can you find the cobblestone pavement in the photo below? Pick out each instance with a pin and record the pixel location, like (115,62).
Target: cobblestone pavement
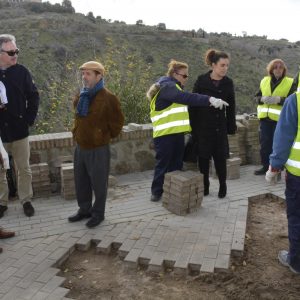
(143,232)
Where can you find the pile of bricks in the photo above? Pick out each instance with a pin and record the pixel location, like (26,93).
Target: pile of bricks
(252,141)
(233,141)
(233,168)
(67,181)
(183,192)
(232,165)
(41,185)
(241,130)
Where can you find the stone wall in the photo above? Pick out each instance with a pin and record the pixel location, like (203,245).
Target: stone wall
(132,150)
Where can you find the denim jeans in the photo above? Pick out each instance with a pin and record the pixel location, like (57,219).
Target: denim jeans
(292,194)
(266,134)
(169,155)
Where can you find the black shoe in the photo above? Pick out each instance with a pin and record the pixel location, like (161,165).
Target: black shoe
(222,190)
(3,208)
(28,209)
(261,171)
(155,198)
(94,221)
(78,217)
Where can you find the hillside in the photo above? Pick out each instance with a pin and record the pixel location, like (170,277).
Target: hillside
(53,45)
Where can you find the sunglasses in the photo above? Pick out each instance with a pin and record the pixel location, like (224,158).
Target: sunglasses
(183,75)
(11,52)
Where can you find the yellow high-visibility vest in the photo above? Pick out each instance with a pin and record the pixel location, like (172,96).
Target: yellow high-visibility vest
(298,87)
(293,162)
(173,119)
(273,111)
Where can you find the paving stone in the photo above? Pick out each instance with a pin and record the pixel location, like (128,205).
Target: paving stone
(24,270)
(146,254)
(131,259)
(105,245)
(222,262)
(156,262)
(171,257)
(52,284)
(47,275)
(84,243)
(142,231)
(58,294)
(126,247)
(208,265)
(7,273)
(29,292)
(182,261)
(27,280)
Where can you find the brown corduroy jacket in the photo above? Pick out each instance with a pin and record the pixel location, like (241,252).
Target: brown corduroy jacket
(103,122)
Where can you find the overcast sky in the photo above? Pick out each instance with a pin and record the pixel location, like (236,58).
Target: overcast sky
(274,18)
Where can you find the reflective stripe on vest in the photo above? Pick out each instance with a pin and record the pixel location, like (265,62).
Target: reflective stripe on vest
(273,111)
(173,119)
(293,162)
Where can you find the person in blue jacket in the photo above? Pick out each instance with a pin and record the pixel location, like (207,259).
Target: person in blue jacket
(286,153)
(170,120)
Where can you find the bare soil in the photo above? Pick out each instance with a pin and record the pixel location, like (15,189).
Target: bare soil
(255,275)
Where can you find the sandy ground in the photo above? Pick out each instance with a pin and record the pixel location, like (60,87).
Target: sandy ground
(255,275)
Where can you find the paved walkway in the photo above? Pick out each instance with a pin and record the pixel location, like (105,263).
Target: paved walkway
(143,232)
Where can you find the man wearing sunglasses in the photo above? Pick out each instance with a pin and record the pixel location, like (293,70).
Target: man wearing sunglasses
(18,110)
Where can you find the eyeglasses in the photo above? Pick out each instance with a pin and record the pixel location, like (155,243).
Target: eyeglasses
(183,75)
(11,52)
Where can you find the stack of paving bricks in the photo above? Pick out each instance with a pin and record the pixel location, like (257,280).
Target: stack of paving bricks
(232,165)
(41,185)
(67,181)
(233,168)
(233,145)
(241,133)
(252,141)
(183,192)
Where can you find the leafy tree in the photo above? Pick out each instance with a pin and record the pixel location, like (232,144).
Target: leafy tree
(128,76)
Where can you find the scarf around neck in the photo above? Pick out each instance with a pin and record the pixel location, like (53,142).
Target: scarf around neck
(86,97)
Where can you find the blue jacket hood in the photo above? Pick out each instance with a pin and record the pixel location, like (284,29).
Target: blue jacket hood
(167,79)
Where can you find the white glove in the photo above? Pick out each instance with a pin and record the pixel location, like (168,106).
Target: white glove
(271,99)
(4,160)
(272,176)
(217,103)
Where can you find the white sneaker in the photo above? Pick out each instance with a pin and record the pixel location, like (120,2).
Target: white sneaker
(283,257)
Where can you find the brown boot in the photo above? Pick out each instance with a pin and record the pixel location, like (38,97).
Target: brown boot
(6,234)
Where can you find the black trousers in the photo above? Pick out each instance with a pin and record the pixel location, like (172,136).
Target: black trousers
(220,165)
(91,170)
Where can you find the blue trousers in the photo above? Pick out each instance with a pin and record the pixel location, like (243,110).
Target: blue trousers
(169,155)
(266,134)
(292,194)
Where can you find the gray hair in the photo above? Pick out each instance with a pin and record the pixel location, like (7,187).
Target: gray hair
(5,38)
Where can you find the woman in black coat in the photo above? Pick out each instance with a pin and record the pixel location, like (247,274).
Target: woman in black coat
(210,125)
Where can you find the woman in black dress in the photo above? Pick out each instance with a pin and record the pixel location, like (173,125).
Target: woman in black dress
(210,125)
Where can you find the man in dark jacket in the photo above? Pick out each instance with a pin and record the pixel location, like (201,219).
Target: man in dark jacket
(18,110)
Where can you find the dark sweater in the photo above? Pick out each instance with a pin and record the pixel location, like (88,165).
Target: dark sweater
(23,102)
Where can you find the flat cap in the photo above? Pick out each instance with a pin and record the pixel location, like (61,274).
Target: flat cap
(93,65)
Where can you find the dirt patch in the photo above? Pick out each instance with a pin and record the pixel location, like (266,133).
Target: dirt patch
(255,275)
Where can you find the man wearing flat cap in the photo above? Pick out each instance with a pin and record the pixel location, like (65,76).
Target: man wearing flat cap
(98,119)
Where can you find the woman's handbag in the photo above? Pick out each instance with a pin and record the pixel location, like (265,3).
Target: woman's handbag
(190,150)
